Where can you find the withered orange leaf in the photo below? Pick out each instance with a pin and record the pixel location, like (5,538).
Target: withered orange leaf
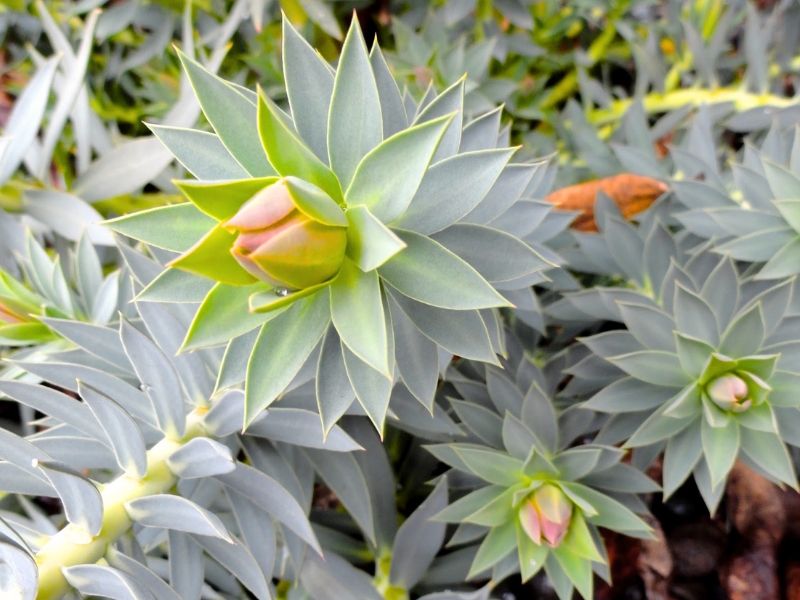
(631,193)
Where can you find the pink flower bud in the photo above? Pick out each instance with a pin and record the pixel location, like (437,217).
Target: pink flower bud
(546,514)
(281,243)
(9,318)
(729,392)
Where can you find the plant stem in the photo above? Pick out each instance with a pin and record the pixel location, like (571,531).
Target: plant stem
(657,103)
(72,546)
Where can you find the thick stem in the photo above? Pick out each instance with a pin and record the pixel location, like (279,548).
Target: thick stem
(72,546)
(657,103)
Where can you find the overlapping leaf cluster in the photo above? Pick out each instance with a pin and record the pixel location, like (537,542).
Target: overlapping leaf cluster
(454,390)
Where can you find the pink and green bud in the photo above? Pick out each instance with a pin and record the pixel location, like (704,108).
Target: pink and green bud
(546,514)
(291,234)
(730,393)
(9,317)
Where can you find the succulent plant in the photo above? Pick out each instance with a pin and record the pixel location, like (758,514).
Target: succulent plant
(144,465)
(539,499)
(47,292)
(704,371)
(379,221)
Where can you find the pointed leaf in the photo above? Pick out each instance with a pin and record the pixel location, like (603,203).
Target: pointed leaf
(429,273)
(389,176)
(355,125)
(281,349)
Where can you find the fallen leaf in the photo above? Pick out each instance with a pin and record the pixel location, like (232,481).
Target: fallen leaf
(655,563)
(755,507)
(631,193)
(752,574)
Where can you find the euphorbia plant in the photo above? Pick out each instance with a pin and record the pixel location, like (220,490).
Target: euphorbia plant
(539,500)
(363,220)
(706,374)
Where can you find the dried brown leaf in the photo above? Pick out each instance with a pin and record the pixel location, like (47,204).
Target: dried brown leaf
(631,193)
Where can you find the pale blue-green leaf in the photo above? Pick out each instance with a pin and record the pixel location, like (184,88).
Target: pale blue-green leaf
(448,102)
(175,285)
(682,453)
(232,115)
(322,15)
(333,390)
(57,405)
(653,328)
(393,111)
(19,452)
(429,273)
(201,457)
(505,191)
(785,262)
(355,125)
(102,342)
(120,429)
(333,578)
(88,270)
(769,452)
(301,428)
(83,504)
(416,357)
(123,170)
(720,447)
(362,330)
(482,422)
(389,176)
(101,580)
(256,529)
(237,559)
(226,414)
(462,333)
(309,86)
(65,375)
(372,388)
(234,361)
(282,347)
(176,227)
(19,574)
(517,439)
(745,335)
(167,511)
(694,317)
(418,540)
(25,118)
(452,188)
(224,315)
(377,470)
(652,366)
(267,494)
(496,255)
(186,565)
(67,215)
(288,154)
(369,242)
(493,466)
(629,395)
(657,427)
(481,133)
(159,379)
(782,182)
(68,93)
(168,331)
(160,589)
(202,153)
(499,542)
(341,472)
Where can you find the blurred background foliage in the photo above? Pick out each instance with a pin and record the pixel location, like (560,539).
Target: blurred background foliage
(699,94)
